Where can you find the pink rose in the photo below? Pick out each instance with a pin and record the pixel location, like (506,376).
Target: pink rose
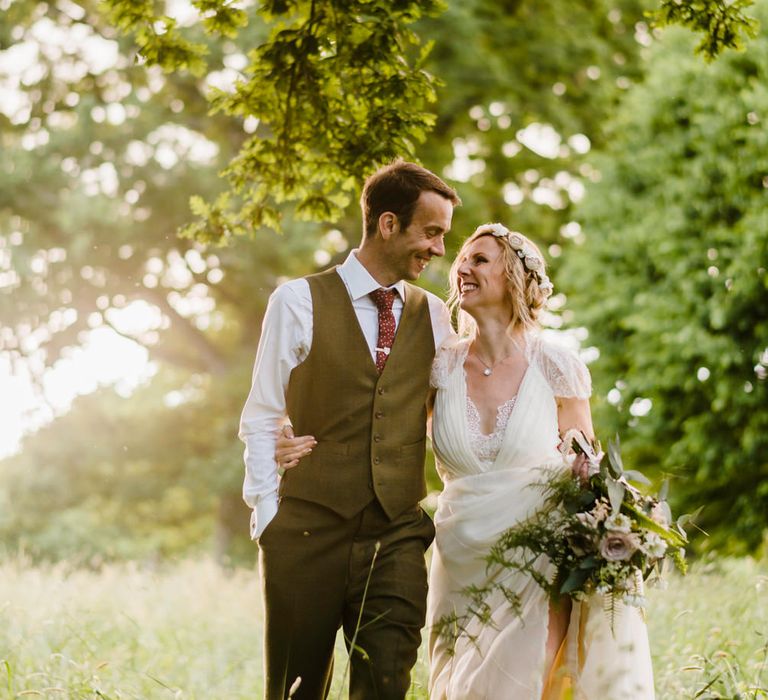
(618,546)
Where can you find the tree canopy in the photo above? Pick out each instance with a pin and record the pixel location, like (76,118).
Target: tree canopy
(115,115)
(670,278)
(339,87)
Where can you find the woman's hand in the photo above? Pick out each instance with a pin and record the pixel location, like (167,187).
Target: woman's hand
(289,449)
(580,467)
(587,454)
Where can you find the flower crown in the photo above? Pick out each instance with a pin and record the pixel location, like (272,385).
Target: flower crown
(528,256)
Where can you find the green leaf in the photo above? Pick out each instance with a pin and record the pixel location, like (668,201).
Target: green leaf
(670,536)
(637,477)
(574,581)
(614,456)
(616,492)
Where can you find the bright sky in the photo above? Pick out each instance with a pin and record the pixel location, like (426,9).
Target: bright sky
(106,358)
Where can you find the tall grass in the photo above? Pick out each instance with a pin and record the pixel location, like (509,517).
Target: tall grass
(192,630)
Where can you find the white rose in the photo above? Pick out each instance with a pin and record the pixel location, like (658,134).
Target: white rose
(499,230)
(516,241)
(532,262)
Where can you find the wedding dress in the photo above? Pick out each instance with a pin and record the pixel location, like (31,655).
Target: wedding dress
(490,483)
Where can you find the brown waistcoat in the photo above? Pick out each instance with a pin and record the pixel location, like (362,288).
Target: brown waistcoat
(370,428)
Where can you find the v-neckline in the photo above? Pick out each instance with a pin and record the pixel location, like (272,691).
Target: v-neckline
(499,409)
(465,391)
(519,385)
(516,396)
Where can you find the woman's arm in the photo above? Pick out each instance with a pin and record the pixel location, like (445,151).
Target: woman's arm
(572,414)
(575,413)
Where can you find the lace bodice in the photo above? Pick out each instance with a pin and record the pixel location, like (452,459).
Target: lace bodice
(565,372)
(486,447)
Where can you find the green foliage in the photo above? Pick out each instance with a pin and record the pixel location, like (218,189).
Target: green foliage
(723,23)
(337,87)
(73,274)
(155,488)
(98,173)
(340,87)
(671,282)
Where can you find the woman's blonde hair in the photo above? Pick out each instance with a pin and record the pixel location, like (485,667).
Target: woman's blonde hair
(528,288)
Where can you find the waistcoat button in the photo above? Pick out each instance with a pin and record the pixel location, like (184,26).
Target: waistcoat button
(377,460)
(377,438)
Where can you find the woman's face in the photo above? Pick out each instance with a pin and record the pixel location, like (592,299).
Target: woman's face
(482,277)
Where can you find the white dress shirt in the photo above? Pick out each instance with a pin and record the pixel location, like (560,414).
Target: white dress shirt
(285,342)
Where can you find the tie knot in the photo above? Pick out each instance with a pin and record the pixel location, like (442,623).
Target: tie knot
(383,298)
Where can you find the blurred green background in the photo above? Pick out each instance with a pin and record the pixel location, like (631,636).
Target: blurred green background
(126,350)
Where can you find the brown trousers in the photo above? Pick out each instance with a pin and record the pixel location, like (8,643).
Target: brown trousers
(314,568)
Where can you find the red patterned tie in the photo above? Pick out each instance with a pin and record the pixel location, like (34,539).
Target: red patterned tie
(383,298)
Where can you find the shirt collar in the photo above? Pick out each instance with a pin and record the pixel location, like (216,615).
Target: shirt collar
(359,281)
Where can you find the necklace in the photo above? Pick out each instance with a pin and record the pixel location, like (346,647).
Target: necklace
(488,371)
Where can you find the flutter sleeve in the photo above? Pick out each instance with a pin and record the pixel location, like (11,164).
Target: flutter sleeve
(446,360)
(565,371)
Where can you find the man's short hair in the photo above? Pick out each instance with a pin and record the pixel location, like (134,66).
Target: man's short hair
(396,188)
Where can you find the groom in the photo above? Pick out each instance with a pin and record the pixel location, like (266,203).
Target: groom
(346,355)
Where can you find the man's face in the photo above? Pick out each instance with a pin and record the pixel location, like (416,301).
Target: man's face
(410,250)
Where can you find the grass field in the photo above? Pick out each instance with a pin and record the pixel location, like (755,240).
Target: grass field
(192,630)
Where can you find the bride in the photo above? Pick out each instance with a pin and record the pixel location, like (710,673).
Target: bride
(503,397)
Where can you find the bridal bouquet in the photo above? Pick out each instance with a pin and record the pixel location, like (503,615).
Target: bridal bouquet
(598,533)
(601,533)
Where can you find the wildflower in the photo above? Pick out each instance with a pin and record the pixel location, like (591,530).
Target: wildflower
(587,519)
(618,523)
(601,510)
(658,515)
(654,546)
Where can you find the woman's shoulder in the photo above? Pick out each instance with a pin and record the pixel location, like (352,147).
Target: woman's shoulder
(448,357)
(562,367)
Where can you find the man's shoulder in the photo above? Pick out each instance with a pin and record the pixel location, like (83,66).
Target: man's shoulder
(291,292)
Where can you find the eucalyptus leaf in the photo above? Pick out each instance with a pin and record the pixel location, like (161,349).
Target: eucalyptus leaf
(616,493)
(614,456)
(636,476)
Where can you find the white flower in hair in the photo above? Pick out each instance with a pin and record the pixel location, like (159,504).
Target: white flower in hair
(532,261)
(527,255)
(546,286)
(498,230)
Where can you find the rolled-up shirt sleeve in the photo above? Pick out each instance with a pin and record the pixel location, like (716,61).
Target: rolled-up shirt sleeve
(285,339)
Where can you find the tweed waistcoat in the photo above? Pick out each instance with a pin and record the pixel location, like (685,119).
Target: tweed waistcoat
(370,427)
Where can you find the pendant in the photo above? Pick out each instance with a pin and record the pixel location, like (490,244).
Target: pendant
(487,371)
